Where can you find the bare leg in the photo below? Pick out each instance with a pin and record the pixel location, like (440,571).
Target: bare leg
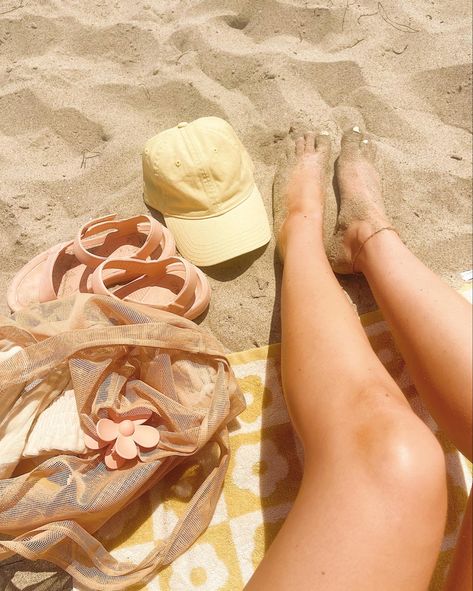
(431,323)
(370,511)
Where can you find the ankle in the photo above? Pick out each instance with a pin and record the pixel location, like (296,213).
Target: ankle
(297,221)
(359,232)
(299,227)
(371,243)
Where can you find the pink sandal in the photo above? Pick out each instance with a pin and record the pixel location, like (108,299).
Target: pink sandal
(65,268)
(174,284)
(140,237)
(53,273)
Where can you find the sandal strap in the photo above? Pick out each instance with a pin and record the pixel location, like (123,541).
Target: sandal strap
(138,270)
(47,292)
(127,226)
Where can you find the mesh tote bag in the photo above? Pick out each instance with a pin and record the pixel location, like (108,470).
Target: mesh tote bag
(99,400)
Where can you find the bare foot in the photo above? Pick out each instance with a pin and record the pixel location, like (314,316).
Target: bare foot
(300,184)
(361,210)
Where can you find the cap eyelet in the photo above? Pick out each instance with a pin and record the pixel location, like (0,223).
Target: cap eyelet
(178,163)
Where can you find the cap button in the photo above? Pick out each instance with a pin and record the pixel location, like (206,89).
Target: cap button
(182,124)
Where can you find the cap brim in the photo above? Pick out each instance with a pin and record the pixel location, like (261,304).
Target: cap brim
(210,241)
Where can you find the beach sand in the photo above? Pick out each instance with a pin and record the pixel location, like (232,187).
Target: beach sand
(84,85)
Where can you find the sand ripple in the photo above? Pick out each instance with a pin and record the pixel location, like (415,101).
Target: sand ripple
(83,85)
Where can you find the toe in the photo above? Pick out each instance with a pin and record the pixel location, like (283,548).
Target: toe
(351,141)
(309,142)
(300,145)
(323,143)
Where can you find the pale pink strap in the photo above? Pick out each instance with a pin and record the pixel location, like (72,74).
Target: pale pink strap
(155,269)
(47,293)
(120,227)
(185,298)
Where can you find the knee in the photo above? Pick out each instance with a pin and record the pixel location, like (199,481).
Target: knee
(403,459)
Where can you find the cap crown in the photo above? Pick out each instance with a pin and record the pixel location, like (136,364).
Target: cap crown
(196,170)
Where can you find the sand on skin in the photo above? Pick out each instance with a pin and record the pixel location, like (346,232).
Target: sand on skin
(83,85)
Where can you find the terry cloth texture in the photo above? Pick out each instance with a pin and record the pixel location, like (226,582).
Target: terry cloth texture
(120,359)
(261,483)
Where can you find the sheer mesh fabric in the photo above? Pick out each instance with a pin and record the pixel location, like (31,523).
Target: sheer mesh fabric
(122,357)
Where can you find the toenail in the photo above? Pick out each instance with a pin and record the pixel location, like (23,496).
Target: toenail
(356,129)
(365,141)
(324,133)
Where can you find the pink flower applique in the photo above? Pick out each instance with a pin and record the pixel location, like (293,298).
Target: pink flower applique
(121,437)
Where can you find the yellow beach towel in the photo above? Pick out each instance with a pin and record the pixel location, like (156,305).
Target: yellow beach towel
(261,483)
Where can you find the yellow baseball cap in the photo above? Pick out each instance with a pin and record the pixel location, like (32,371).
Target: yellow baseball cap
(200,177)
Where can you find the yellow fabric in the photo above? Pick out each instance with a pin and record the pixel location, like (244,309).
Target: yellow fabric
(200,177)
(261,483)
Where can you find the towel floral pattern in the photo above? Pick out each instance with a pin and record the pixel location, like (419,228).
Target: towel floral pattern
(198,569)
(259,467)
(261,484)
